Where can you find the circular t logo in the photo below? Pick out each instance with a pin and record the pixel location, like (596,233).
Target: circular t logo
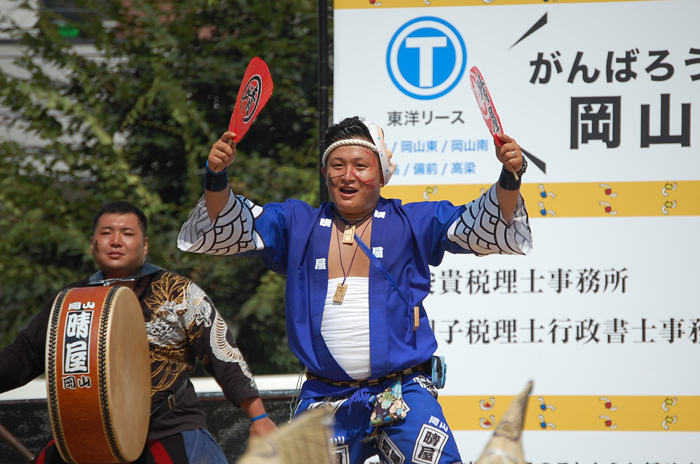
(426,58)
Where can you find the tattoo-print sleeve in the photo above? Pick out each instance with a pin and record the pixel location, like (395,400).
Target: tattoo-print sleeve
(233,231)
(482,230)
(215,346)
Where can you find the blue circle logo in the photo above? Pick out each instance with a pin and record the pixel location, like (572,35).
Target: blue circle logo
(426,58)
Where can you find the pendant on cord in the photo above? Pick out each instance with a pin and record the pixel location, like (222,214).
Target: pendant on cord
(349,234)
(340,293)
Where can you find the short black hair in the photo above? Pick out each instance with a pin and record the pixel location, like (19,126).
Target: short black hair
(348,128)
(121,207)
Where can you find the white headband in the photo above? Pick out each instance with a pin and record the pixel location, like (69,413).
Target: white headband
(346,142)
(377,147)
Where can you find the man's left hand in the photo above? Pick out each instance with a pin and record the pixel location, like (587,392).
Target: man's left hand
(262,427)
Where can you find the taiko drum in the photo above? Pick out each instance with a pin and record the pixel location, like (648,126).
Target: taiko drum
(98,375)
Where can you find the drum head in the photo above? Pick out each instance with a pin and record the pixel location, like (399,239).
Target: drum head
(98,375)
(129,377)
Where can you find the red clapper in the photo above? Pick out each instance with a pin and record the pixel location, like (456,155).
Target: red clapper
(254,92)
(488,110)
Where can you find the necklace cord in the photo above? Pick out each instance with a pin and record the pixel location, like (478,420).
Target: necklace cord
(340,252)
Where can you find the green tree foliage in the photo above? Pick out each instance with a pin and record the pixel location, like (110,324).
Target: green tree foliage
(128,110)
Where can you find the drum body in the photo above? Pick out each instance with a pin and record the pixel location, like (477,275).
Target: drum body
(98,376)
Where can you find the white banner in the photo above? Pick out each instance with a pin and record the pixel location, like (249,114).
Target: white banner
(603,316)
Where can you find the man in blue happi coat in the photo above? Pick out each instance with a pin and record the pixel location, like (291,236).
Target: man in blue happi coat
(357,273)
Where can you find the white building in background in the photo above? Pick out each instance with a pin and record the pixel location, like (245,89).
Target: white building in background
(10,50)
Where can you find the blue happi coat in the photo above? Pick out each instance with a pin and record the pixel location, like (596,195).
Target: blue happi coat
(293,239)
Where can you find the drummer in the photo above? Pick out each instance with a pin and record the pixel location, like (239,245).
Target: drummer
(181,323)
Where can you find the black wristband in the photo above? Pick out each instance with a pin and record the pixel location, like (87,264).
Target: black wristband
(215,181)
(507,180)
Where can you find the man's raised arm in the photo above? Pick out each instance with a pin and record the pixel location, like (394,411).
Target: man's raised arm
(221,156)
(508,190)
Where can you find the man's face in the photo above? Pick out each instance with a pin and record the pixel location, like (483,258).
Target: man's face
(118,246)
(353,176)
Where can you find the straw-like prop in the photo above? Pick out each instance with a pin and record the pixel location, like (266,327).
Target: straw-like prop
(305,440)
(506,446)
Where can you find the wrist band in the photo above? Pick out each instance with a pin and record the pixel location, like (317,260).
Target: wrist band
(507,180)
(215,181)
(257,418)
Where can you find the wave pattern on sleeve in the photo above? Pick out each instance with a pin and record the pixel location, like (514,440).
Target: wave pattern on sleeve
(232,232)
(482,230)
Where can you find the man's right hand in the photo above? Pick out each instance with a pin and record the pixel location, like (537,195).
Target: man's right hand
(222,153)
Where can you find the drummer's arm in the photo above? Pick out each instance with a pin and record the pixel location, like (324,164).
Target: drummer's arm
(24,359)
(255,409)
(230,370)
(18,365)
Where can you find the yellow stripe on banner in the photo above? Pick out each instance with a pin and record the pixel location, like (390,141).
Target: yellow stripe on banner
(579,413)
(576,199)
(360,4)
